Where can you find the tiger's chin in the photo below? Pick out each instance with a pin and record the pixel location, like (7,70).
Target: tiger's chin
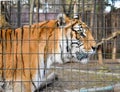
(84,61)
(82,57)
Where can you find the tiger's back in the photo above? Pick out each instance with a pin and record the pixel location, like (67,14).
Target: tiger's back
(19,47)
(26,52)
(19,50)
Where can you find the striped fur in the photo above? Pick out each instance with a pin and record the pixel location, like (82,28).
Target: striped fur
(26,52)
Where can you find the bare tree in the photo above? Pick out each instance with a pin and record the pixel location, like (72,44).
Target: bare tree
(99,31)
(67,9)
(70,8)
(31,11)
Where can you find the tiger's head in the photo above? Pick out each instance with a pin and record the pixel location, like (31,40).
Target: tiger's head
(80,44)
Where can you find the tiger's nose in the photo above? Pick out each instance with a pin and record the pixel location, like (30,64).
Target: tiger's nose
(94,48)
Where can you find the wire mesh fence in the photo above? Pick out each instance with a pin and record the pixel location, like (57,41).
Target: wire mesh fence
(43,50)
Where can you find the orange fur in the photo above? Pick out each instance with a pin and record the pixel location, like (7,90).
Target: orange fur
(20,49)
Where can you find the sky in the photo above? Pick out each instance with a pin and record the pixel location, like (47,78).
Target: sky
(117,5)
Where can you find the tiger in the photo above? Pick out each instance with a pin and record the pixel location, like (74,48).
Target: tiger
(27,53)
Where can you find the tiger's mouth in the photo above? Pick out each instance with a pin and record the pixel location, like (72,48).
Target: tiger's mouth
(81,56)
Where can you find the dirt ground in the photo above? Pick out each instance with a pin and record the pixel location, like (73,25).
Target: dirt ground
(72,77)
(75,76)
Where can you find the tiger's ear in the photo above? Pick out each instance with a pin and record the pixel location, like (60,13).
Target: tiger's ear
(76,16)
(61,19)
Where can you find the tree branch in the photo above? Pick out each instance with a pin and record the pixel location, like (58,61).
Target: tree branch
(114,34)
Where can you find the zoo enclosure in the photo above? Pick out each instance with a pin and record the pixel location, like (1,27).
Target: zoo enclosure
(92,12)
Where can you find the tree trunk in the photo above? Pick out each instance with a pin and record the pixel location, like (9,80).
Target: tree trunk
(63,5)
(114,50)
(70,8)
(68,11)
(31,11)
(114,25)
(37,12)
(75,8)
(100,30)
(100,58)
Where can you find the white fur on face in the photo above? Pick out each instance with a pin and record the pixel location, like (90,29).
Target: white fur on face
(82,55)
(78,28)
